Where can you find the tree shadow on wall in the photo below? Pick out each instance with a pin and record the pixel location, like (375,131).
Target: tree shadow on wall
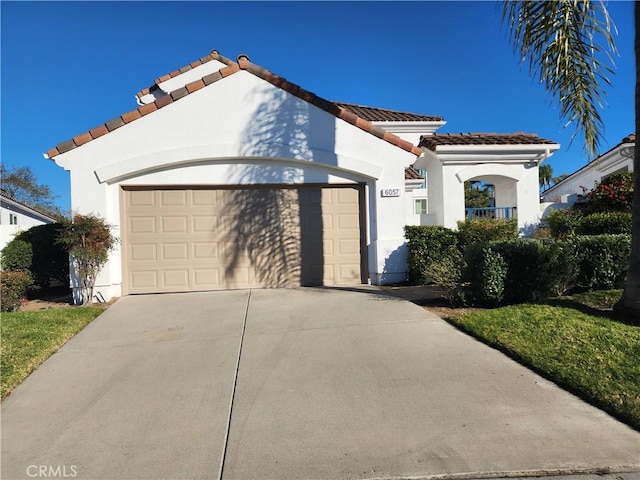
(274,235)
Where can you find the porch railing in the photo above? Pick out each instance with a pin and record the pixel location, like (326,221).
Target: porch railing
(491,212)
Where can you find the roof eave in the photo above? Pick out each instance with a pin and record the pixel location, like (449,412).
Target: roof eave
(422,127)
(22,206)
(472,154)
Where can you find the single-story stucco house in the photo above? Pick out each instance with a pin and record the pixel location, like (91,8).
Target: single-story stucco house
(568,191)
(229,176)
(16,217)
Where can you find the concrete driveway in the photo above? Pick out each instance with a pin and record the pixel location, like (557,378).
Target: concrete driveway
(295,384)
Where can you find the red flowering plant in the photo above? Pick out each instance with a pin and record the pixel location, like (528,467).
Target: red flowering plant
(613,193)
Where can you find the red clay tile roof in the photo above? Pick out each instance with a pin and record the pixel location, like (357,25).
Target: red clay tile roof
(631,138)
(214,55)
(411,173)
(374,114)
(232,67)
(432,141)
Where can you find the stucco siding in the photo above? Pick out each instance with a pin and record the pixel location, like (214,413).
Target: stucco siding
(242,130)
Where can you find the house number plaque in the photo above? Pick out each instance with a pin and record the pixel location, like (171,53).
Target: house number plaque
(390,192)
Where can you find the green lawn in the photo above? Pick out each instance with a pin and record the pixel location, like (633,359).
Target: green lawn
(29,338)
(572,343)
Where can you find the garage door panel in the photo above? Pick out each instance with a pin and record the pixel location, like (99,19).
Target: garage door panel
(205,251)
(141,198)
(143,251)
(350,222)
(145,280)
(204,223)
(170,198)
(209,239)
(175,224)
(142,225)
(176,279)
(204,198)
(207,278)
(348,247)
(175,251)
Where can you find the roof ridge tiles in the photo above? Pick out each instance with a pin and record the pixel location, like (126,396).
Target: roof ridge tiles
(379,114)
(231,67)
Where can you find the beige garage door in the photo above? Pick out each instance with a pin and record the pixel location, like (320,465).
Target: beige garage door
(177,240)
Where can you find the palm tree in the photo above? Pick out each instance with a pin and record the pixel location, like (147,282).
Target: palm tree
(559,178)
(569,45)
(545,173)
(629,305)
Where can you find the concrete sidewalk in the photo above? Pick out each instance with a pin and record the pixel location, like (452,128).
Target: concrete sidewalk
(331,384)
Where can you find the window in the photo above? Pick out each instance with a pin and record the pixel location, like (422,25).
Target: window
(13,219)
(421,206)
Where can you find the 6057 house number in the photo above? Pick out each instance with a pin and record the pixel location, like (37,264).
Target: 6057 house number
(390,192)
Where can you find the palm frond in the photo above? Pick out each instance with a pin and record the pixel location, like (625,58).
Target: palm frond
(569,45)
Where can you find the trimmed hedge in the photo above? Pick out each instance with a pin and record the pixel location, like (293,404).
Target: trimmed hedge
(608,223)
(518,271)
(487,230)
(538,269)
(13,288)
(567,223)
(602,261)
(428,245)
(563,223)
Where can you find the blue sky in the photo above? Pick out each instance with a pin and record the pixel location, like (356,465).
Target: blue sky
(70,66)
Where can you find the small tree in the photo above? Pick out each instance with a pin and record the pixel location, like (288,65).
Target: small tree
(88,239)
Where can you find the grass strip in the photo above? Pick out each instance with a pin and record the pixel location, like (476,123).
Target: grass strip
(591,355)
(29,338)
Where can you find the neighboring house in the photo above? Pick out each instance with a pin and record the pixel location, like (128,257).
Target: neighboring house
(16,217)
(229,176)
(565,193)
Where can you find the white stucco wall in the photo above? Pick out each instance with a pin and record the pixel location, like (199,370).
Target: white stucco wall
(243,130)
(512,169)
(621,158)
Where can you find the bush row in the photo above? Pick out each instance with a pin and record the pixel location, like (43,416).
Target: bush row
(491,273)
(531,270)
(431,245)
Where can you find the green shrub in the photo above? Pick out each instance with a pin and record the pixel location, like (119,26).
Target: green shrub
(88,239)
(13,288)
(605,223)
(492,272)
(446,271)
(36,250)
(427,245)
(50,260)
(17,255)
(602,260)
(487,230)
(563,223)
(519,271)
